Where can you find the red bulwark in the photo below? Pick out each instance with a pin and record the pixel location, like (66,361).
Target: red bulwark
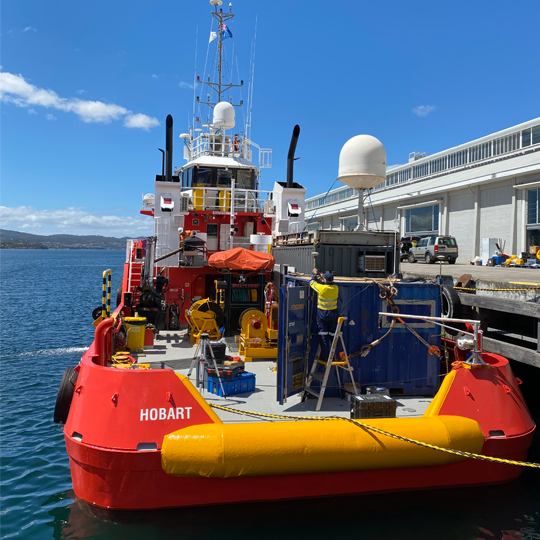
(118,420)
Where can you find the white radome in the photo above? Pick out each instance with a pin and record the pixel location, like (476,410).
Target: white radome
(362,162)
(224,115)
(149,199)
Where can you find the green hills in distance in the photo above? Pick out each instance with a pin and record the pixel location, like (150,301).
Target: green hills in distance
(20,240)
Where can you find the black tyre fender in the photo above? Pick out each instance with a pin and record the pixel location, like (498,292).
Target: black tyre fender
(118,296)
(65,395)
(450,303)
(96,314)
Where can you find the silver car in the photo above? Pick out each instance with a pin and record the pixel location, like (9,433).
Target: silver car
(434,248)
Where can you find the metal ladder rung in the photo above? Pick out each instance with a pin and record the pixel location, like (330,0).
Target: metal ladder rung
(328,364)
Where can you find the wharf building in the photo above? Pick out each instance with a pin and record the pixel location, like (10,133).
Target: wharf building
(486,188)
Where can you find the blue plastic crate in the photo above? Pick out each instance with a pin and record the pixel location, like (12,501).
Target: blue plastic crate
(245,382)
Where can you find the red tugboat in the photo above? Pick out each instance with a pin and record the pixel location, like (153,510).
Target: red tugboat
(140,435)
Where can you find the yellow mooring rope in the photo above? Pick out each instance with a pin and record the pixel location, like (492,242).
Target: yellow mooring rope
(388,434)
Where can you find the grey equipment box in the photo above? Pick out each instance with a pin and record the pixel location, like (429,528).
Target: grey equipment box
(346,253)
(373,406)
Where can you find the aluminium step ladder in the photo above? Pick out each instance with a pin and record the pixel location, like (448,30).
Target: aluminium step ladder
(328,364)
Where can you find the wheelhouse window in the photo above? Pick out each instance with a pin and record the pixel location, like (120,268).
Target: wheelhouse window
(422,220)
(245,179)
(204,177)
(207,177)
(224,177)
(187,176)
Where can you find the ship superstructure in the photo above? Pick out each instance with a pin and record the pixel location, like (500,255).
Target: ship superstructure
(214,202)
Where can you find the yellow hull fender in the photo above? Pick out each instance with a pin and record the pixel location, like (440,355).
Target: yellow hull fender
(276,448)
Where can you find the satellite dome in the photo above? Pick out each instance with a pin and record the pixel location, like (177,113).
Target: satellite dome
(149,200)
(224,115)
(362,162)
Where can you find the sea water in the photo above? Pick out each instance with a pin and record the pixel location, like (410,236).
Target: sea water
(47,298)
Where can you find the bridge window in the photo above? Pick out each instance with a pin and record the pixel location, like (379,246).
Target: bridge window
(204,177)
(245,179)
(224,177)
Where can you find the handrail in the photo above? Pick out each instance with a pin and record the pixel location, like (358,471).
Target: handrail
(99,339)
(476,333)
(218,198)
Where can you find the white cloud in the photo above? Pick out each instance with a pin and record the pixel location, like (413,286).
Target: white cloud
(14,89)
(185,85)
(96,111)
(50,117)
(29,28)
(423,110)
(140,121)
(73,221)
(80,92)
(155,76)
(31,111)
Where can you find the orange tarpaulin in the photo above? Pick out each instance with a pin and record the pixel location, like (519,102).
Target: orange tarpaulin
(242,259)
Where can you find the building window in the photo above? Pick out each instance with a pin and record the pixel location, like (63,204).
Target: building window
(506,144)
(479,152)
(422,220)
(314,227)
(350,224)
(530,136)
(532,206)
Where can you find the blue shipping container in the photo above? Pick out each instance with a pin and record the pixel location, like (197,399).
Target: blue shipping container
(400,361)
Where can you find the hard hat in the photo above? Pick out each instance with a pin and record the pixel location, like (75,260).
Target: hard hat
(328,276)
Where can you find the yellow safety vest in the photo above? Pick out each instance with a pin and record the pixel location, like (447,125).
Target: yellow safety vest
(327,295)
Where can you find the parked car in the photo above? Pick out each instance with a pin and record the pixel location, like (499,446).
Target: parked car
(434,248)
(405,245)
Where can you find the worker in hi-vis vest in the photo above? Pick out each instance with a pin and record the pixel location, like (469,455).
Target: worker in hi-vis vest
(327,314)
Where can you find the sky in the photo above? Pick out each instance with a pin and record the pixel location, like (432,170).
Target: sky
(85,88)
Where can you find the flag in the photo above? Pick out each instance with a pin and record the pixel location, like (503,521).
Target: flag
(213,35)
(225,32)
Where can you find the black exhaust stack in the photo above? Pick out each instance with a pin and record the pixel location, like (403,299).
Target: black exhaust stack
(290,156)
(168,148)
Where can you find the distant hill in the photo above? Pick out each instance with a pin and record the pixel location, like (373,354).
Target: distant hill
(20,240)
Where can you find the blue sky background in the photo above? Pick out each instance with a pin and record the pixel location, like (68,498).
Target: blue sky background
(338,69)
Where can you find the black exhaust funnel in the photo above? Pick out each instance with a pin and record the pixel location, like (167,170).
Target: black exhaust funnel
(168,148)
(290,156)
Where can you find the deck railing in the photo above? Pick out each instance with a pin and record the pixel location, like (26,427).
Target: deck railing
(219,145)
(218,199)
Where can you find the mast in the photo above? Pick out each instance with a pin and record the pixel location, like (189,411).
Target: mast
(219,87)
